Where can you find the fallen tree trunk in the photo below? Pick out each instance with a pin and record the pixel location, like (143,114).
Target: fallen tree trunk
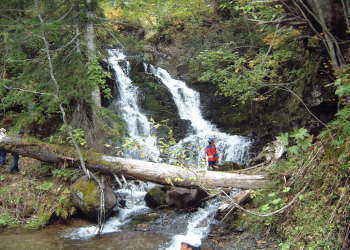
(142,170)
(241,198)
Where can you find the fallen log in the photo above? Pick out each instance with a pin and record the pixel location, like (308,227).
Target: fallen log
(241,198)
(147,171)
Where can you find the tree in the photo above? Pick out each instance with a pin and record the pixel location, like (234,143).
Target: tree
(26,84)
(91,45)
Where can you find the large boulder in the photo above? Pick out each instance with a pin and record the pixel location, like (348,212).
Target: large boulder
(271,153)
(85,195)
(156,197)
(184,197)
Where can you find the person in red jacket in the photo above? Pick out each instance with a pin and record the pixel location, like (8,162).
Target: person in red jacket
(212,154)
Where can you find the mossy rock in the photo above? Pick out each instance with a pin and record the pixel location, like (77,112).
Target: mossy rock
(85,196)
(156,197)
(144,218)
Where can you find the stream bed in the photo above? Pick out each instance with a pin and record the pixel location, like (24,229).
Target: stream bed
(53,238)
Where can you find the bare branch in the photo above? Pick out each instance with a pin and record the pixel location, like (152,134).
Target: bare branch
(291,21)
(329,40)
(235,205)
(69,43)
(63,16)
(29,91)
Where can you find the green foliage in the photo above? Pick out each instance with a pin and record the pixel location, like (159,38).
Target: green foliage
(37,223)
(97,76)
(63,136)
(257,9)
(7,220)
(267,202)
(64,174)
(298,142)
(46,186)
(64,208)
(28,93)
(250,77)
(153,12)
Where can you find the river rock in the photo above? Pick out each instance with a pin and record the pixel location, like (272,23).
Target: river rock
(272,152)
(156,197)
(185,198)
(85,195)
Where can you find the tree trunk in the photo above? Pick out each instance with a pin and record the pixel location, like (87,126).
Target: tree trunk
(91,46)
(143,170)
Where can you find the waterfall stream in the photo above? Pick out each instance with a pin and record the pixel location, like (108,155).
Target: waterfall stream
(139,128)
(133,194)
(231,148)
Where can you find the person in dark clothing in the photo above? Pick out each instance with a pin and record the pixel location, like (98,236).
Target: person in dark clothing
(2,157)
(2,152)
(212,154)
(14,165)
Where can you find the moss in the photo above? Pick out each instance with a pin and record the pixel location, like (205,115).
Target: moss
(158,194)
(156,197)
(144,218)
(152,104)
(90,193)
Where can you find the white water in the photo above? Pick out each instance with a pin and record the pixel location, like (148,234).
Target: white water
(230,147)
(135,205)
(139,127)
(198,226)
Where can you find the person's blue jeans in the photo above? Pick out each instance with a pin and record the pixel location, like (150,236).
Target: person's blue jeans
(2,157)
(14,165)
(212,163)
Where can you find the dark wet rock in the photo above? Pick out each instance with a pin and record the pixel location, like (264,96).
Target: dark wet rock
(241,241)
(85,195)
(142,219)
(229,166)
(170,223)
(156,197)
(185,198)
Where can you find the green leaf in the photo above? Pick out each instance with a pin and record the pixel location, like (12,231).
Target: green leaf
(343,89)
(276,201)
(300,134)
(271,195)
(46,186)
(283,138)
(294,150)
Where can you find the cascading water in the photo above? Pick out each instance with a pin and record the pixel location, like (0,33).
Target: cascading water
(133,194)
(230,147)
(139,127)
(198,225)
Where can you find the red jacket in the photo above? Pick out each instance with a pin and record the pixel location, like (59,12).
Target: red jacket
(212,153)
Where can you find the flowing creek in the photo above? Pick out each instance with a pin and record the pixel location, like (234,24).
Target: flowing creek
(163,231)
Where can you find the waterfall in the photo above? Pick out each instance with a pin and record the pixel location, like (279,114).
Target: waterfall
(139,128)
(230,147)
